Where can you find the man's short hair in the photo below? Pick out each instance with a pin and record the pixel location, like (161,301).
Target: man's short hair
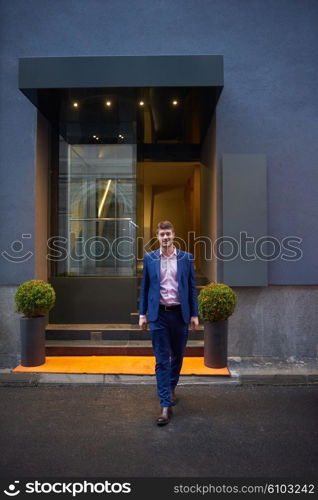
(165,224)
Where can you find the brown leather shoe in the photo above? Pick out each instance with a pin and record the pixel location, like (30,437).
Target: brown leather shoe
(165,415)
(174,398)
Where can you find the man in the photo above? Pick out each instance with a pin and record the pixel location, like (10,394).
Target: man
(168,293)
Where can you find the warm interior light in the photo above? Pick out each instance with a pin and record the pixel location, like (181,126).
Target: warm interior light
(175,102)
(108,103)
(141,103)
(100,210)
(75,104)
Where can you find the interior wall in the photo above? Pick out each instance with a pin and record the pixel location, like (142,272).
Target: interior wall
(209,205)
(171,191)
(169,204)
(193,214)
(42,196)
(147,213)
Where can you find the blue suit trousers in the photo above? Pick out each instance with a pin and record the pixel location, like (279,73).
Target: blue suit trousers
(169,335)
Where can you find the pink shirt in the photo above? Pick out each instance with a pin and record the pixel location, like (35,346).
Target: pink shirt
(169,294)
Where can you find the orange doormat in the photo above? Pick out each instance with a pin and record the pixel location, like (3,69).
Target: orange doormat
(126,365)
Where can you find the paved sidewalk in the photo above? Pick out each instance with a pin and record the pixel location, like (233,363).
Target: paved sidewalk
(247,370)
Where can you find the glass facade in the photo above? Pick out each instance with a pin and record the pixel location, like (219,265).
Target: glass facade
(105,136)
(97,209)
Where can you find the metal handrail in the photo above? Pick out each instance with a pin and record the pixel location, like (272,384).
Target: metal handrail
(101,218)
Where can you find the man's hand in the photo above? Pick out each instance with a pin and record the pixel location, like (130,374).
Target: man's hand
(143,323)
(194,322)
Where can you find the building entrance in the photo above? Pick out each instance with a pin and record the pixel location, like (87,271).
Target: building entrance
(118,149)
(127,158)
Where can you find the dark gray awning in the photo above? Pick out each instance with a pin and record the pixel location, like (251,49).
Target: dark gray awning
(51,83)
(121,71)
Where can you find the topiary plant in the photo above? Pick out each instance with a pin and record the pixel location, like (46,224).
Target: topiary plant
(34,298)
(216,302)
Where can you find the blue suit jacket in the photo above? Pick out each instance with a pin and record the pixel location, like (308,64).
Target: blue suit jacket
(150,285)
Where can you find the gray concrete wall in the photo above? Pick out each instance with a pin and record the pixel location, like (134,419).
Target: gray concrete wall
(275,321)
(9,329)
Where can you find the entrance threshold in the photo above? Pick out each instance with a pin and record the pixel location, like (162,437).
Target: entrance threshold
(125,365)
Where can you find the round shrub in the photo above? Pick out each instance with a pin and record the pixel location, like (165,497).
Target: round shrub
(34,298)
(216,302)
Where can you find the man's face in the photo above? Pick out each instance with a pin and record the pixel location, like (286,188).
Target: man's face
(165,237)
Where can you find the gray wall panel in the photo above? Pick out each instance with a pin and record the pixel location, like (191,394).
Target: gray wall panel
(244,211)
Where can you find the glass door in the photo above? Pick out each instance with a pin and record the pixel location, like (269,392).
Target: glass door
(97,209)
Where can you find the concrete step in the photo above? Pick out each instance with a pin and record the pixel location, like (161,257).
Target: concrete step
(111,348)
(105,331)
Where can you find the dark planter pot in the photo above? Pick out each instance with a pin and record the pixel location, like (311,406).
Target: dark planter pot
(215,343)
(32,332)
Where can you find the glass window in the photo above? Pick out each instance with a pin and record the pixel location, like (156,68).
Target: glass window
(97,209)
